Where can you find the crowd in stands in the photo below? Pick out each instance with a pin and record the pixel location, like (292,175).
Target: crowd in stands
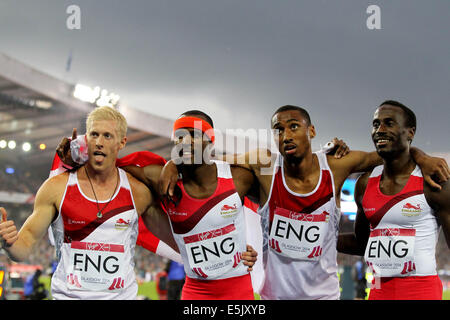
(22,181)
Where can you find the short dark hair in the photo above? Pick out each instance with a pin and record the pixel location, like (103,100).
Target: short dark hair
(289,107)
(198,113)
(410,117)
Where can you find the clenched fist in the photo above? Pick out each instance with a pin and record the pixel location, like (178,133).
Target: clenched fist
(8,230)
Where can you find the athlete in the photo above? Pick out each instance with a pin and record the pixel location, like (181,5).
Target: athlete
(299,209)
(208,221)
(399,216)
(207,218)
(94,214)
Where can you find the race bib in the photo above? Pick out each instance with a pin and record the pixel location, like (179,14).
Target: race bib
(96,266)
(214,252)
(298,235)
(390,252)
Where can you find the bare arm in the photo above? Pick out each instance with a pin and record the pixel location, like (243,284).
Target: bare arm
(253,160)
(152,215)
(158,223)
(259,161)
(440,202)
(360,161)
(434,169)
(36,225)
(263,158)
(355,242)
(149,175)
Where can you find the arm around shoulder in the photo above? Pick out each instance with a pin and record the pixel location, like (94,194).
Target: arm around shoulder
(142,195)
(440,202)
(355,243)
(153,216)
(253,160)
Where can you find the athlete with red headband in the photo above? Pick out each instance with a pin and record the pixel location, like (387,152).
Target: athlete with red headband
(399,216)
(208,220)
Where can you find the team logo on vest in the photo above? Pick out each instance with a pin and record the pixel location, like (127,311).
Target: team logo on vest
(122,224)
(228,211)
(411,210)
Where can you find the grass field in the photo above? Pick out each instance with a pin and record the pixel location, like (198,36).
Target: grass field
(148,289)
(446,295)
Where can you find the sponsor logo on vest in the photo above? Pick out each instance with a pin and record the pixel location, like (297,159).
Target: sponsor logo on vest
(210,234)
(122,224)
(228,211)
(175,213)
(368,209)
(237,259)
(118,283)
(316,252)
(410,210)
(73,280)
(200,272)
(70,221)
(408,267)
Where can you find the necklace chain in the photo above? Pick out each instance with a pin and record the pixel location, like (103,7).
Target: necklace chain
(100,212)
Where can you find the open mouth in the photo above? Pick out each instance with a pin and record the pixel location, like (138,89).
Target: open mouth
(381,142)
(186,152)
(290,148)
(99,156)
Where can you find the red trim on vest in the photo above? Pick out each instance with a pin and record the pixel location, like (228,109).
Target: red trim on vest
(80,234)
(374,198)
(379,214)
(79,214)
(187,225)
(282,198)
(192,209)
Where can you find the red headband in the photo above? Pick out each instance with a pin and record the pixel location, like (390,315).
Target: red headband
(195,123)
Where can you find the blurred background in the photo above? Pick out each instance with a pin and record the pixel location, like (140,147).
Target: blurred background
(238,61)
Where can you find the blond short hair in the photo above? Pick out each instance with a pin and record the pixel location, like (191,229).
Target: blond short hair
(108,113)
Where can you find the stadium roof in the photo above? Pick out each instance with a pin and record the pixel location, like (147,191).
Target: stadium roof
(38,108)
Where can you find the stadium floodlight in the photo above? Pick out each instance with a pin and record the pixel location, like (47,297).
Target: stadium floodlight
(26,146)
(12,144)
(86,93)
(9,170)
(42,146)
(43,104)
(101,97)
(3,144)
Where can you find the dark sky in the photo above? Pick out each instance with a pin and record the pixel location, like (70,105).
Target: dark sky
(239,60)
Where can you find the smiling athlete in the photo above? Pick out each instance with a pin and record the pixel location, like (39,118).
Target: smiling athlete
(399,216)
